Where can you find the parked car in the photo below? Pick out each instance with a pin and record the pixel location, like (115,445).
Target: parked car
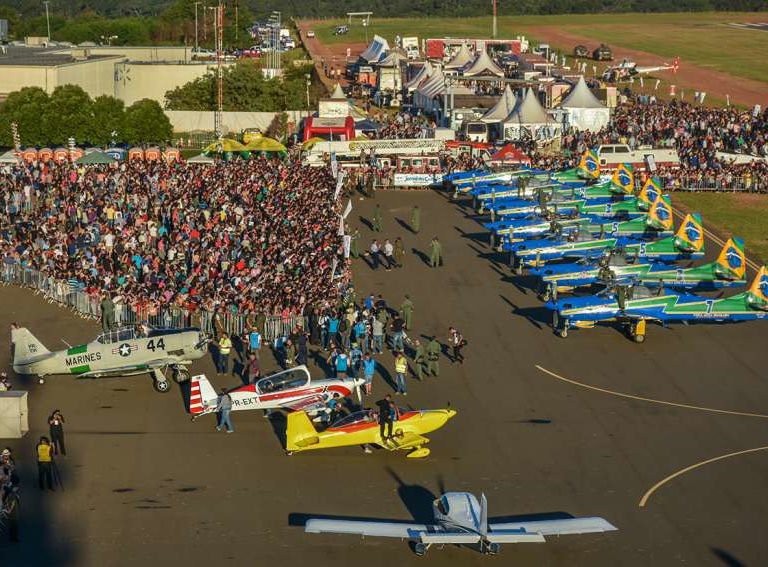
(310,33)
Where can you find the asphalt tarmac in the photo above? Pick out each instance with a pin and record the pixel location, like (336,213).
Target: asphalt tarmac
(144,485)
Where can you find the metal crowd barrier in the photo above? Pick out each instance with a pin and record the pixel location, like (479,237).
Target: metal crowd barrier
(88,306)
(733,185)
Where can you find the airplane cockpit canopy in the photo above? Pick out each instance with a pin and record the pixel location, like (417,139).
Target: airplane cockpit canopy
(364,416)
(121,334)
(291,378)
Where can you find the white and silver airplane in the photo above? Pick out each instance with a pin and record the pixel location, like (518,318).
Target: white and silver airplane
(126,351)
(460,519)
(628,69)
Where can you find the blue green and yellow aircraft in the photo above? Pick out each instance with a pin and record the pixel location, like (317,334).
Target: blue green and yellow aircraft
(632,306)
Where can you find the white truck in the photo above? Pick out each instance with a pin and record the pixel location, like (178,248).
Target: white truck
(644,157)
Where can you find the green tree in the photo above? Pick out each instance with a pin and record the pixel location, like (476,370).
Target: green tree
(69,113)
(108,117)
(26,108)
(145,122)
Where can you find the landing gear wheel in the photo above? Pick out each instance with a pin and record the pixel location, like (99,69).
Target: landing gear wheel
(41,380)
(493,548)
(420,549)
(181,375)
(639,338)
(161,386)
(562,333)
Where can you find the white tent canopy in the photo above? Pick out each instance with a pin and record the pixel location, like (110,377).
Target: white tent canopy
(424,72)
(530,119)
(502,108)
(483,65)
(393,58)
(9,157)
(582,109)
(338,93)
(462,57)
(376,51)
(581,97)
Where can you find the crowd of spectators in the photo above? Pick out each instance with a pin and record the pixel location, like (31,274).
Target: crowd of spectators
(698,134)
(242,236)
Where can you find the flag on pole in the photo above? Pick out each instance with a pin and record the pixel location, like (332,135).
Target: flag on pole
(347,209)
(347,245)
(334,165)
(658,82)
(339,184)
(642,84)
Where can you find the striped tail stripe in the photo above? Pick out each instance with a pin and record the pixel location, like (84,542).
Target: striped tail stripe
(195,398)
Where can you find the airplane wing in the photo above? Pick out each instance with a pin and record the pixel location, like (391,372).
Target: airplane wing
(555,527)
(145,366)
(305,403)
(365,528)
(405,441)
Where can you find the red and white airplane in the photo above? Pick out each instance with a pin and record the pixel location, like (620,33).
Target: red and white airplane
(628,69)
(291,389)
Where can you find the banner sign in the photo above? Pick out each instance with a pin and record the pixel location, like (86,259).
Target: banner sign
(418,179)
(347,245)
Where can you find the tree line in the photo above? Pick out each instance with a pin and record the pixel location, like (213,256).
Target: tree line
(50,120)
(161,20)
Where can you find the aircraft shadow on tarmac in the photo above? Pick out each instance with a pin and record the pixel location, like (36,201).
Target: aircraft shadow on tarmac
(726,557)
(538,316)
(479,237)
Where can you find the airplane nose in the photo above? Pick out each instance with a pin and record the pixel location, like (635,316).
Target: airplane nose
(451,413)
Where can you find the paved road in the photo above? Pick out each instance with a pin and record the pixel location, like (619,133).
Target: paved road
(143,484)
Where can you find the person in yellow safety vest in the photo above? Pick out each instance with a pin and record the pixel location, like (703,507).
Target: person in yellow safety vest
(225,347)
(401,367)
(45,464)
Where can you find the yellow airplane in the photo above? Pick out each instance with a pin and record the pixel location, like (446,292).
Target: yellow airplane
(362,428)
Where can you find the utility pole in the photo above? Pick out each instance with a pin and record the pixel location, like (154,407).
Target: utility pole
(47,19)
(197,47)
(218,117)
(237,23)
(495,27)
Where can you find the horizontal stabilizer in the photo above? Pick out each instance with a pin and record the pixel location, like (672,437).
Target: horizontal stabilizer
(513,536)
(449,537)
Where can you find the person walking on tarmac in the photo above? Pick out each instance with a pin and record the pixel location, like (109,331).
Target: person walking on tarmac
(224,408)
(377,220)
(401,368)
(354,246)
(433,354)
(45,464)
(399,254)
(406,310)
(56,429)
(420,358)
(415,219)
(435,253)
(222,360)
(457,342)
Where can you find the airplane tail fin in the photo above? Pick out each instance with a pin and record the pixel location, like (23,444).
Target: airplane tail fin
(757,296)
(623,180)
(483,515)
(27,346)
(690,235)
(732,263)
(660,215)
(300,433)
(202,396)
(650,191)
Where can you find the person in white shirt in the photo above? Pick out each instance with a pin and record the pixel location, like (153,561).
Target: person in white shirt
(388,250)
(374,254)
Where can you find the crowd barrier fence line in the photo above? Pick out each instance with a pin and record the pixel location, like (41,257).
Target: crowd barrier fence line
(88,306)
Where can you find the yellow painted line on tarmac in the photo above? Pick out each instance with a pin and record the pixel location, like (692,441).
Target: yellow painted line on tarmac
(662,482)
(650,400)
(751,263)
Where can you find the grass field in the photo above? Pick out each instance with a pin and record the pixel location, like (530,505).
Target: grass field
(732,214)
(700,38)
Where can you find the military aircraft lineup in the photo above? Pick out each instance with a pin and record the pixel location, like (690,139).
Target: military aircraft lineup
(602,247)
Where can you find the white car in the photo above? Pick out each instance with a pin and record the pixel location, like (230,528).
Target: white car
(310,33)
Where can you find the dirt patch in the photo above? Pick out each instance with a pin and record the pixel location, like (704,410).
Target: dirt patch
(328,57)
(690,77)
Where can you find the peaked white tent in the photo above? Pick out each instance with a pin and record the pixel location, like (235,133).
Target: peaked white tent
(529,119)
(502,108)
(424,72)
(483,65)
(376,51)
(10,157)
(338,93)
(462,57)
(393,58)
(582,109)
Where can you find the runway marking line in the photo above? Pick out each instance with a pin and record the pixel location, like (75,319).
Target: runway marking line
(650,400)
(662,482)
